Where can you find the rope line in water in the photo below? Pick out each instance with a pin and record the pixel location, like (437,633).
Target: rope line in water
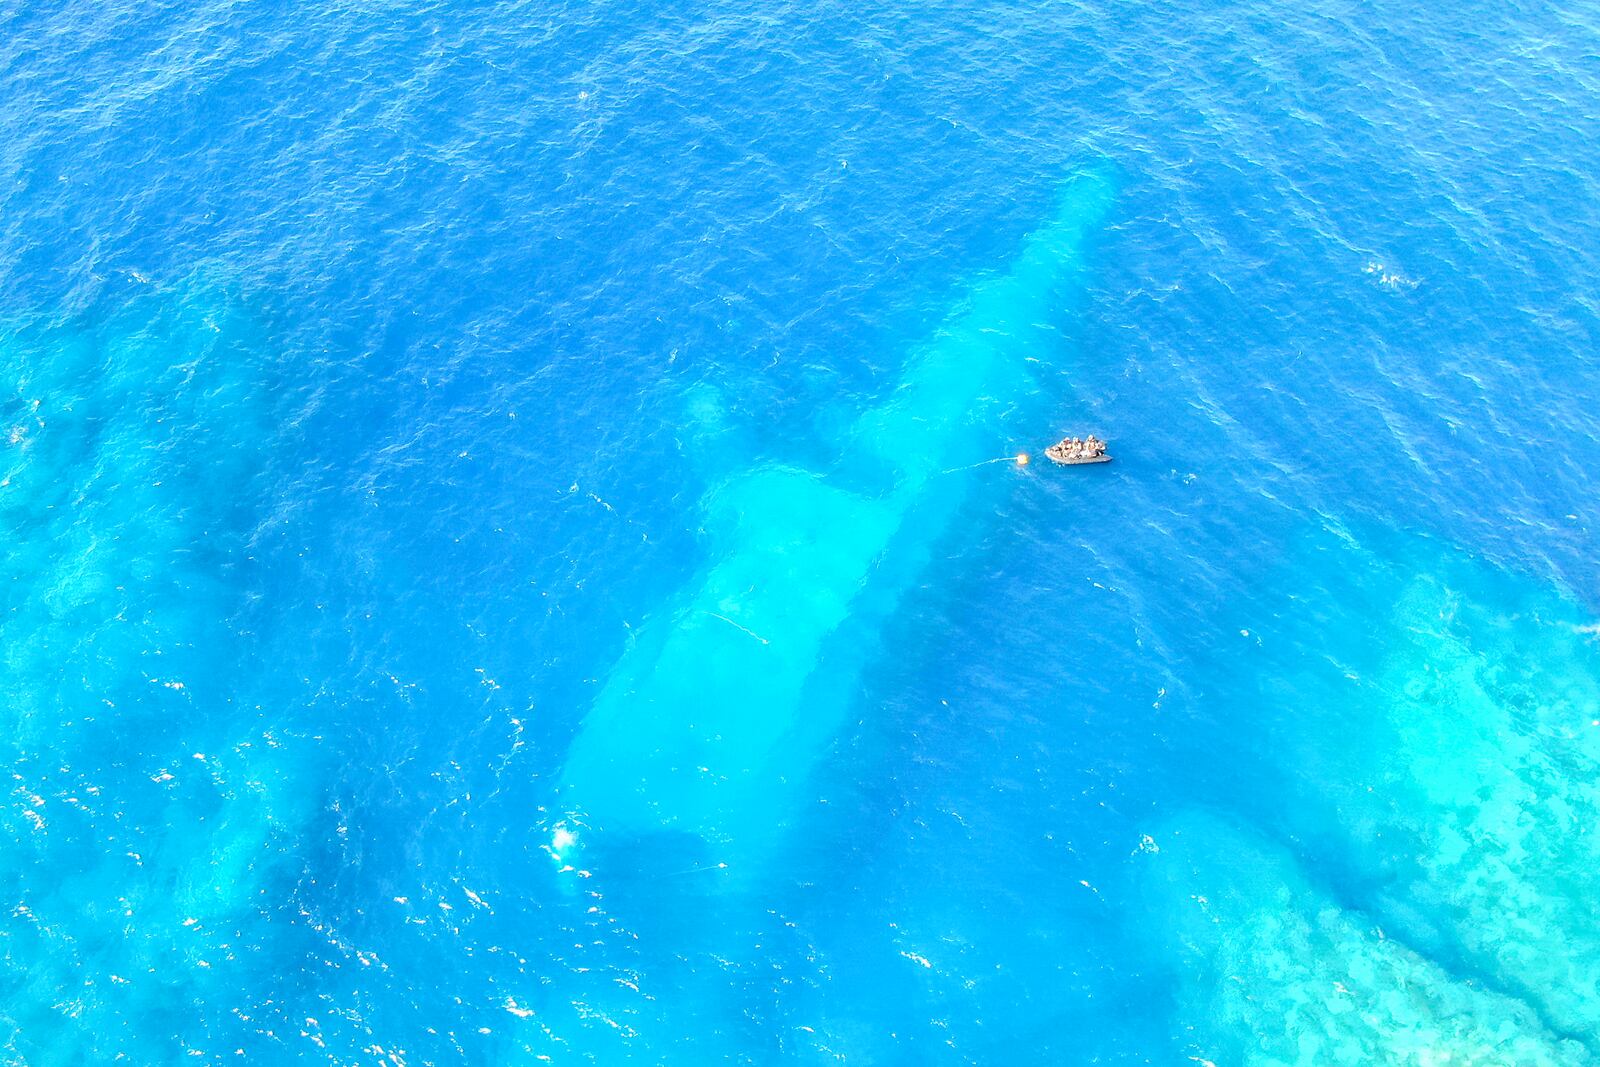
(1020,459)
(736,626)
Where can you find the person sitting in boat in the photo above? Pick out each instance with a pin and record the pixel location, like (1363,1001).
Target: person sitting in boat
(1077,450)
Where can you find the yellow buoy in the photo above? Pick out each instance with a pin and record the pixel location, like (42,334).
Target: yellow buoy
(1022,459)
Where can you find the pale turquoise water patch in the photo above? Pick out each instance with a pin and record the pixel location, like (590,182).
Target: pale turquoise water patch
(1490,697)
(1437,722)
(1275,972)
(153,794)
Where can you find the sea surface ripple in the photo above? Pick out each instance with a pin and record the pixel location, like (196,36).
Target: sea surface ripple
(366,366)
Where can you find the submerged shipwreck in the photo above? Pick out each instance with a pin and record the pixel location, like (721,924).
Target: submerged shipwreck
(705,733)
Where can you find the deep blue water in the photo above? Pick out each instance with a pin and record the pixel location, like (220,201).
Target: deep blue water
(397,395)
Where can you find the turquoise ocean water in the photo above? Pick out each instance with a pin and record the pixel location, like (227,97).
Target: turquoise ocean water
(513,552)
